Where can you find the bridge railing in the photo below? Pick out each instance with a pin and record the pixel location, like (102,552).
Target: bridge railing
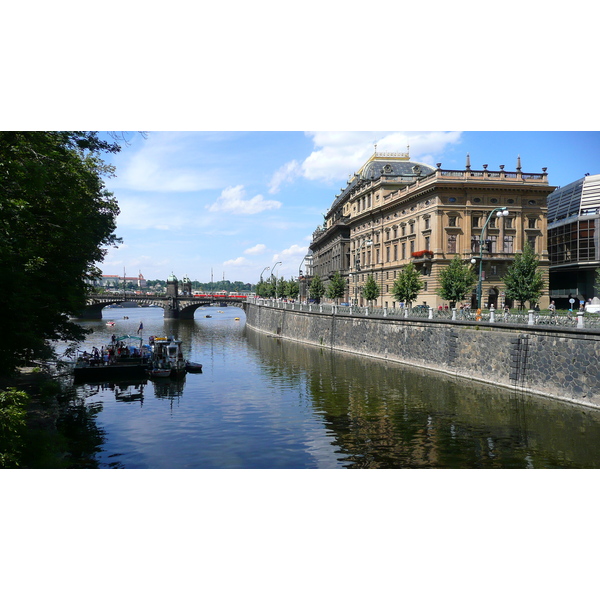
(563,319)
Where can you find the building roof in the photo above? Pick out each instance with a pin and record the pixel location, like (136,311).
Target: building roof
(385,164)
(581,197)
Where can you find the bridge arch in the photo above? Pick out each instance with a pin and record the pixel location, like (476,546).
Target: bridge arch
(173,307)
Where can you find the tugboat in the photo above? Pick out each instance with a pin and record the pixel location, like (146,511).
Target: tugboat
(167,356)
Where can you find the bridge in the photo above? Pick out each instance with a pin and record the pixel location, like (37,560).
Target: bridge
(174,307)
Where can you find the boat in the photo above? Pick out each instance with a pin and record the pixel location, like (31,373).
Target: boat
(159,372)
(193,367)
(167,355)
(124,357)
(208,316)
(110,323)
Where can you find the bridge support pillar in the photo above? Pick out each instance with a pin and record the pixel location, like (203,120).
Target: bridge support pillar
(171,313)
(91,312)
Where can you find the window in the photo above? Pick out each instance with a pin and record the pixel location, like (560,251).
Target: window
(412,246)
(475,221)
(424,286)
(403,228)
(403,250)
(452,221)
(427,243)
(452,244)
(492,223)
(491,243)
(412,227)
(508,223)
(395,251)
(508,244)
(531,223)
(387,254)
(531,241)
(426,223)
(474,243)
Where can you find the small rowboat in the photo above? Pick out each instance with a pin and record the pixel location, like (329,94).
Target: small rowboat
(110,323)
(193,367)
(159,372)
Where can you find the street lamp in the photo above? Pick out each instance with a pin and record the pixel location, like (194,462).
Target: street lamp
(498,212)
(357,266)
(265,269)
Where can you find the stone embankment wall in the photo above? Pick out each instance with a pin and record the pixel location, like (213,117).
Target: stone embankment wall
(559,363)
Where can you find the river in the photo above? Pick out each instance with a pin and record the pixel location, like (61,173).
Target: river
(262,402)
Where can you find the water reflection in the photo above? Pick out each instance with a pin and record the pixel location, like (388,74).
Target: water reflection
(390,416)
(265,402)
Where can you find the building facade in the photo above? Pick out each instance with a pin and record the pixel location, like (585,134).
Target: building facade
(394,211)
(573,240)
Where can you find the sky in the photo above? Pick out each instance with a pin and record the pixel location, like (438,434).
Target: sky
(226,205)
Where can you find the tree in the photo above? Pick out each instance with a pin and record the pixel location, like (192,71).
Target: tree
(337,287)
(280,288)
(317,289)
(292,288)
(371,291)
(56,222)
(407,285)
(523,281)
(456,280)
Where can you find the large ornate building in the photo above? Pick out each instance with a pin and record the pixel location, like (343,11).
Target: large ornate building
(394,211)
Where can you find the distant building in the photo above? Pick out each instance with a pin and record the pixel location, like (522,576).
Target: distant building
(394,211)
(573,240)
(118,280)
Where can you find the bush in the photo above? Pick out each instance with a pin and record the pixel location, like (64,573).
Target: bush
(12,426)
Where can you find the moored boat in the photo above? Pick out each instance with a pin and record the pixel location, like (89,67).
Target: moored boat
(193,367)
(167,354)
(124,357)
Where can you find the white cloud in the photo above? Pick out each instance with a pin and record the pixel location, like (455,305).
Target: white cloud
(258,249)
(166,162)
(338,155)
(232,200)
(291,254)
(285,174)
(237,262)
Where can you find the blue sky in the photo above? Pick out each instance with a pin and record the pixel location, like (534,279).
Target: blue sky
(237,202)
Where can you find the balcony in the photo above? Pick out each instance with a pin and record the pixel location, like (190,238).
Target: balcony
(421,256)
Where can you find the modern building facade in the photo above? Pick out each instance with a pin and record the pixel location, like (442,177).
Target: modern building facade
(573,240)
(394,211)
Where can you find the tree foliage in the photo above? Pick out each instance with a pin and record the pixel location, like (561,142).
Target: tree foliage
(337,287)
(56,222)
(523,281)
(407,285)
(292,289)
(456,280)
(371,290)
(316,290)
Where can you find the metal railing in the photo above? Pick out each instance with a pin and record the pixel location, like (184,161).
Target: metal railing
(561,319)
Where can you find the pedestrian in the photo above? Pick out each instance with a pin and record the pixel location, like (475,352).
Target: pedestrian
(141,327)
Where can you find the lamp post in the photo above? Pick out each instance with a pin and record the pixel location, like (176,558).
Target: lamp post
(498,212)
(367,242)
(274,279)
(299,279)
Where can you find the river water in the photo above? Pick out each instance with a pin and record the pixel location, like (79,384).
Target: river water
(262,402)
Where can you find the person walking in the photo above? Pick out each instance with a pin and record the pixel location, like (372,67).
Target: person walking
(140,328)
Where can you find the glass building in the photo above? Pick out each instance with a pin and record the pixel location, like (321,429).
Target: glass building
(573,240)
